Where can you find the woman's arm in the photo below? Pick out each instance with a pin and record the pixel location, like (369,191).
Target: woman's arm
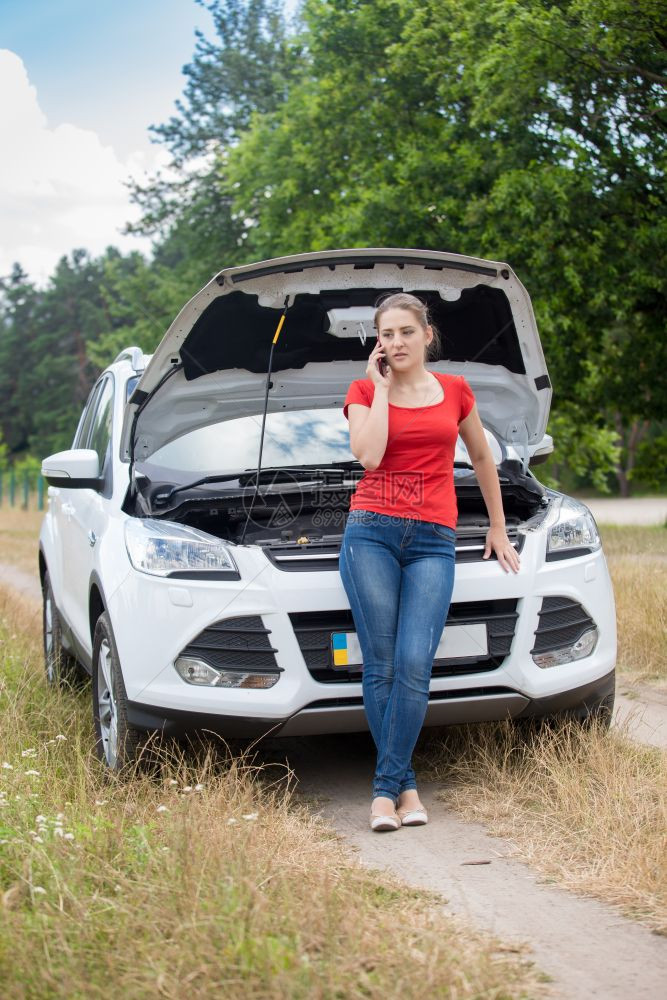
(369,429)
(474,438)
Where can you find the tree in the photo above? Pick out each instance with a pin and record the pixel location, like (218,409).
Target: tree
(248,69)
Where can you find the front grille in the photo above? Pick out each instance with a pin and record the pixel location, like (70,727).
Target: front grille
(562,622)
(235,643)
(323,554)
(313,632)
(311,556)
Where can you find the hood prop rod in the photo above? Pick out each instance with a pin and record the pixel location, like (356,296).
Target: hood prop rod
(266,406)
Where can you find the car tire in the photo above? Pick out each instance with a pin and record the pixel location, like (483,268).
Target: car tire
(62,669)
(599,713)
(116,741)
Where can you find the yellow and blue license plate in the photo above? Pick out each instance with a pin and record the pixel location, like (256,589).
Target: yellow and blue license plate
(345,651)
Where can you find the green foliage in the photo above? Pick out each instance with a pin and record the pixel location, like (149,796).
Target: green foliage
(531,131)
(141,300)
(650,469)
(581,448)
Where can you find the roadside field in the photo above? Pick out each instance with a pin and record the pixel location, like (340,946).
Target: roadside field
(586,807)
(203,877)
(637,559)
(19,531)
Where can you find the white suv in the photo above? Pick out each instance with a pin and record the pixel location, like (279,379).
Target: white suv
(202,593)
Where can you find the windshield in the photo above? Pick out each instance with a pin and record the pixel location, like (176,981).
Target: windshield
(298,437)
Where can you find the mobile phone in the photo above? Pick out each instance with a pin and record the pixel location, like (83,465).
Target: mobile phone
(382,366)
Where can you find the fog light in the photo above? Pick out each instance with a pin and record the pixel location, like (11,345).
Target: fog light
(577,651)
(199,672)
(196,671)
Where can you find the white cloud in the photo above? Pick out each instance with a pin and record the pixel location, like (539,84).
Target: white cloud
(60,187)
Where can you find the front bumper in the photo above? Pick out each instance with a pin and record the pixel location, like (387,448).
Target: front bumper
(445,708)
(154,619)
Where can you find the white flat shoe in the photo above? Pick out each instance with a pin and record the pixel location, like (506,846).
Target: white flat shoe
(381,823)
(412,817)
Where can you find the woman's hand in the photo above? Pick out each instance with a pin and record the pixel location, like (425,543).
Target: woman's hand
(372,370)
(498,542)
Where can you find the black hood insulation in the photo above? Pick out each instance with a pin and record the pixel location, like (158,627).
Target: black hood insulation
(236,332)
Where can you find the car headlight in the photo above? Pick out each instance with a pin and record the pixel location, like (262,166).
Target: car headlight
(164,548)
(574,533)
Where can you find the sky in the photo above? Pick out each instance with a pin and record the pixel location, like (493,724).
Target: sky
(81,81)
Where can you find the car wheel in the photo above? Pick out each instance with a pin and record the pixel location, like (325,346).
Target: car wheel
(599,712)
(116,742)
(62,670)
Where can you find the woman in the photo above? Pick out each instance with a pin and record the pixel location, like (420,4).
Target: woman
(397,557)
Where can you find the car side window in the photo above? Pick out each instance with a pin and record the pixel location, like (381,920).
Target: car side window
(83,429)
(100,430)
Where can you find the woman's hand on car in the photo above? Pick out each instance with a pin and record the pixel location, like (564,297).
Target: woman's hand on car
(373,372)
(498,542)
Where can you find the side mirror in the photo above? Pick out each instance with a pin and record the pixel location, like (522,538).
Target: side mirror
(542,451)
(77,469)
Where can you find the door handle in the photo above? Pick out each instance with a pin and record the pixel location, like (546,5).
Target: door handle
(92,537)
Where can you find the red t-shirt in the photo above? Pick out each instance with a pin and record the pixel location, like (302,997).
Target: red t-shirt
(416,475)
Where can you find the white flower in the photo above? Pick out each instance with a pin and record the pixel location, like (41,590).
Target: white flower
(61,737)
(30,752)
(32,773)
(40,819)
(39,890)
(162,809)
(38,840)
(58,831)
(231,820)
(101,802)
(7,767)
(250,815)
(69,836)
(172,781)
(60,816)
(199,788)
(187,788)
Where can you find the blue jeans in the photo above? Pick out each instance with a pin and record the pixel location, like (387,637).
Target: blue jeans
(398,574)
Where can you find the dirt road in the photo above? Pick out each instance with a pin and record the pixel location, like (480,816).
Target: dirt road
(629,510)
(588,948)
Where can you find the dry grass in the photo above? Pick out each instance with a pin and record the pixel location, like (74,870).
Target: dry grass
(203,877)
(19,531)
(588,808)
(637,559)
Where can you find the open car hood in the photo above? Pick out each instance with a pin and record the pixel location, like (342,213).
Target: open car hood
(217,349)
